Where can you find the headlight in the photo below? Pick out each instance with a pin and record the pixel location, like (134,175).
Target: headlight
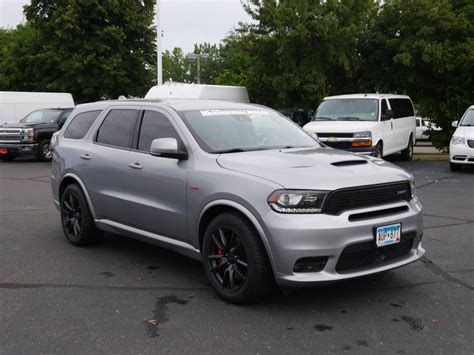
(27,135)
(54,140)
(297,201)
(412,188)
(457,140)
(363,134)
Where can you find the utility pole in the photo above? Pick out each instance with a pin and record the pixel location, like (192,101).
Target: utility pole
(159,52)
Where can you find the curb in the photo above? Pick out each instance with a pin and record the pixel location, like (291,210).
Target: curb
(434,157)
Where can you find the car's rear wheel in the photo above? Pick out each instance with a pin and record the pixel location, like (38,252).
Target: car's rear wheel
(455,167)
(235,260)
(44,150)
(76,218)
(407,154)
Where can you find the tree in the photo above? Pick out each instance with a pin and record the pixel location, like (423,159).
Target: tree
(93,49)
(424,48)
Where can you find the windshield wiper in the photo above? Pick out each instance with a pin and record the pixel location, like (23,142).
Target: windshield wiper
(233,150)
(322,118)
(349,118)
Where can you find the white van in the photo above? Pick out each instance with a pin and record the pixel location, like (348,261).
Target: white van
(14,105)
(461,147)
(171,90)
(374,124)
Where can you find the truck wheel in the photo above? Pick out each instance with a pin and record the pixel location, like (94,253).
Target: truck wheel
(235,260)
(407,154)
(44,150)
(76,218)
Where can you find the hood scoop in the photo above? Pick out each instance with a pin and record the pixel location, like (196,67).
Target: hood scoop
(349,162)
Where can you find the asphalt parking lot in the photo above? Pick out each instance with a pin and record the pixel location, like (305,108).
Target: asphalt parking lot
(124,296)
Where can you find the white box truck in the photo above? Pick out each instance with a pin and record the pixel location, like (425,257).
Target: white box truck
(170,90)
(15,105)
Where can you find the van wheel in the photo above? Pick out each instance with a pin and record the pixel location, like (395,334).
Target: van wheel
(76,218)
(235,260)
(44,150)
(378,153)
(407,154)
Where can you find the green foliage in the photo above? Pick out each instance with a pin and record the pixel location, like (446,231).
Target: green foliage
(93,49)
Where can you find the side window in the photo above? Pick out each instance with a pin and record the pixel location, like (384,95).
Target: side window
(384,106)
(155,125)
(401,108)
(80,124)
(117,128)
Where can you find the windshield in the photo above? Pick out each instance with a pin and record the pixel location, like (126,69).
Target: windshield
(41,116)
(468,119)
(221,131)
(347,110)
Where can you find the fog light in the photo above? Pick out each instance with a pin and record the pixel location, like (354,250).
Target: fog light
(314,264)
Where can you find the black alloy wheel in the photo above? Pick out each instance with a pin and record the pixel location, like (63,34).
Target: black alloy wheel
(227,259)
(76,218)
(235,260)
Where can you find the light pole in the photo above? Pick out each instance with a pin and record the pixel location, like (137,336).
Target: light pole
(197,58)
(159,59)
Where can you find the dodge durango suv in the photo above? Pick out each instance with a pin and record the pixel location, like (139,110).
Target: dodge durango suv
(237,186)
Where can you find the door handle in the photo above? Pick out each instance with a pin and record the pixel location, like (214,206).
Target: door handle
(137,166)
(85,156)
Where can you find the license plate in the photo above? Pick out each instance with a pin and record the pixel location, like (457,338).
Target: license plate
(387,235)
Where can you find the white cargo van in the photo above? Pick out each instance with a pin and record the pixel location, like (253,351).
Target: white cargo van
(14,105)
(198,91)
(374,124)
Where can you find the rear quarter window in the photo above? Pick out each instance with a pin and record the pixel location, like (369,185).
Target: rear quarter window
(81,124)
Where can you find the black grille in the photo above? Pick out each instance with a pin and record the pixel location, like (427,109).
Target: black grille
(367,253)
(339,145)
(470,143)
(366,196)
(337,135)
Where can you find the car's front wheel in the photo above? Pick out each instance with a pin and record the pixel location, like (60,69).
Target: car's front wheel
(235,260)
(76,218)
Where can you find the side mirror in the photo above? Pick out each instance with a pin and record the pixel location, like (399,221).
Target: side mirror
(455,124)
(388,115)
(167,148)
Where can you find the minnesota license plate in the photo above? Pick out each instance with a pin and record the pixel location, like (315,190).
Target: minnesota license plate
(387,235)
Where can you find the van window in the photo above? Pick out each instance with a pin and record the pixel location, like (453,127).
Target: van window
(401,108)
(384,106)
(80,124)
(155,125)
(117,128)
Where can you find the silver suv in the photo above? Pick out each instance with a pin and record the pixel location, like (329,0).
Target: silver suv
(237,186)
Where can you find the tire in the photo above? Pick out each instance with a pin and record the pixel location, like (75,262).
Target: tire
(76,218)
(407,154)
(455,167)
(378,153)
(7,158)
(235,260)
(44,151)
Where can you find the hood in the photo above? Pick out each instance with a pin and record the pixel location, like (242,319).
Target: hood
(25,125)
(339,126)
(465,132)
(321,168)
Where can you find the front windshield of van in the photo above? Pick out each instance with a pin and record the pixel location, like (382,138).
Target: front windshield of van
(347,110)
(468,119)
(229,131)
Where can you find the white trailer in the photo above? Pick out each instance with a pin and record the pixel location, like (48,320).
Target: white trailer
(171,90)
(14,105)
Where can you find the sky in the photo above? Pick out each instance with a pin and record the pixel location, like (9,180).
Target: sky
(184,22)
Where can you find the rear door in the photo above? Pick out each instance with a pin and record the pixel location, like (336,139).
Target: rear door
(404,121)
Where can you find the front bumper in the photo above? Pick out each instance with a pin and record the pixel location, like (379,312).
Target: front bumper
(357,150)
(293,237)
(19,149)
(461,154)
